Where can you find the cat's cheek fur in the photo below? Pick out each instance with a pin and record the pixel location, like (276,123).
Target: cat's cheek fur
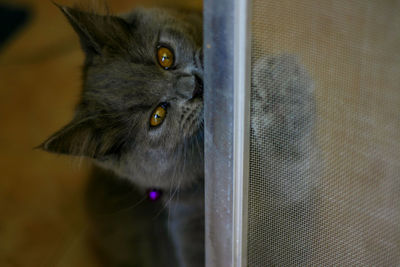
(122,85)
(157,168)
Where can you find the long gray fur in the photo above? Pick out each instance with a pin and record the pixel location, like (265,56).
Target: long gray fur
(122,85)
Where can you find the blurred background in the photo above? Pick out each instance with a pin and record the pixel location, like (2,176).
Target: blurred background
(42,217)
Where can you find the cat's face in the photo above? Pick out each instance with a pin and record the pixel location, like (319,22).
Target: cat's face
(141,110)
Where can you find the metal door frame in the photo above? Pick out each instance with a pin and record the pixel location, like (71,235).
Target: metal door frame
(227,126)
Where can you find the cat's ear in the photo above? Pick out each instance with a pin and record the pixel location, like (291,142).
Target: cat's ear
(75,138)
(95,31)
(85,138)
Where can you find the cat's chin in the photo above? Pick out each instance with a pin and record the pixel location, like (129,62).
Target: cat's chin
(185,171)
(182,181)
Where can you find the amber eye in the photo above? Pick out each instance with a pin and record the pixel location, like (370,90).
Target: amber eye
(165,57)
(158,115)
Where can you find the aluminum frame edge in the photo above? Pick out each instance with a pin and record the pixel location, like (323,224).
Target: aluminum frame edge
(242,90)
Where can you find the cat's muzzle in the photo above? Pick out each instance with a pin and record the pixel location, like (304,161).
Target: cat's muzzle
(198,88)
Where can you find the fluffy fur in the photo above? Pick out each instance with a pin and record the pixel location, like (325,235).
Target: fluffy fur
(122,85)
(284,163)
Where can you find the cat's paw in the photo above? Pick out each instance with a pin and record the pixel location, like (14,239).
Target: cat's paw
(283,105)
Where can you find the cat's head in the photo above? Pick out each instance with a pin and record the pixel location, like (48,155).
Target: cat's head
(141,109)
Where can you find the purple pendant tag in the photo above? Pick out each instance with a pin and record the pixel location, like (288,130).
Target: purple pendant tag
(154,194)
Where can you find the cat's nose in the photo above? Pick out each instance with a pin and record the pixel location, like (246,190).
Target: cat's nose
(198,87)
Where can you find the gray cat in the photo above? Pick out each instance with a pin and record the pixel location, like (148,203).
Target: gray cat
(140,119)
(284,164)
(141,116)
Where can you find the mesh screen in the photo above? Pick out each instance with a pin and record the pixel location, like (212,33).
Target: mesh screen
(325,134)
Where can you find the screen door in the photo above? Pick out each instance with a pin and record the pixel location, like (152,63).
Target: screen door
(302,133)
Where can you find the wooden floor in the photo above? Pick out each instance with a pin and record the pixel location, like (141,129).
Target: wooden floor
(42,220)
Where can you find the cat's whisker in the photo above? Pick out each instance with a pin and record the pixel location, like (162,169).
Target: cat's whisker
(173,189)
(131,207)
(168,202)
